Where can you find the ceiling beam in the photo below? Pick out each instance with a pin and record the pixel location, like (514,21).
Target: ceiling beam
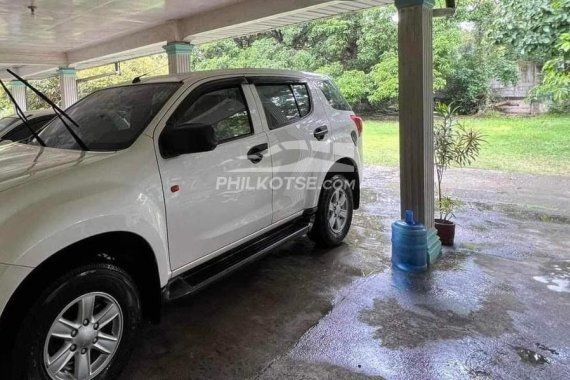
(183,29)
(16,57)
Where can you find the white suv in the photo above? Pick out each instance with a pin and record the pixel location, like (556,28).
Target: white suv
(156,189)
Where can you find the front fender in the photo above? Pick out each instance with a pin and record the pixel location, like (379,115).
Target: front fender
(121,193)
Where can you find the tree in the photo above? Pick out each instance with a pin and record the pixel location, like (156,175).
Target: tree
(556,74)
(531,27)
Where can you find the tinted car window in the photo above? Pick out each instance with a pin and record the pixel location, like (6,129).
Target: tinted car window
(284,103)
(302,96)
(224,109)
(279,104)
(22,133)
(5,123)
(334,97)
(110,119)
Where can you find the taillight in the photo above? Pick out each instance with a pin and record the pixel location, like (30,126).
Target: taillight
(358,122)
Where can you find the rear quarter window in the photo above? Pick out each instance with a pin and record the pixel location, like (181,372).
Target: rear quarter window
(333,96)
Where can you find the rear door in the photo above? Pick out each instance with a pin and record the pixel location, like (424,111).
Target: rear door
(211,198)
(298,140)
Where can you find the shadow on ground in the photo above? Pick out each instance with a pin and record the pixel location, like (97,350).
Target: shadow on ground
(494,306)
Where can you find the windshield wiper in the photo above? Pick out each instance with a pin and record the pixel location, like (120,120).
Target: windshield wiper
(58,111)
(21,114)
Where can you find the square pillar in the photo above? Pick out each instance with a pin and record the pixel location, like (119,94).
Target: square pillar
(415,51)
(18,90)
(68,86)
(178,56)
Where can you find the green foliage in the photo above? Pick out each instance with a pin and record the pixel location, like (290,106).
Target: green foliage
(531,27)
(354,86)
(556,76)
(384,79)
(478,60)
(454,144)
(447,206)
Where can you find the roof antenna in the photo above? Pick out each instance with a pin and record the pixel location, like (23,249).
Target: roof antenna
(138,79)
(32,7)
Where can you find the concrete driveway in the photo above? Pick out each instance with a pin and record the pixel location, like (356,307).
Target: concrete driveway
(495,306)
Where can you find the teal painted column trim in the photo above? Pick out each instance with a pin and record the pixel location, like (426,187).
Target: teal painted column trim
(414,3)
(178,48)
(67,71)
(434,246)
(16,83)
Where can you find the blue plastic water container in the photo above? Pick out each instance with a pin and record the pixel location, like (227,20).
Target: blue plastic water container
(409,245)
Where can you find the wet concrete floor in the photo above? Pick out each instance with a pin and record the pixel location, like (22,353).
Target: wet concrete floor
(497,305)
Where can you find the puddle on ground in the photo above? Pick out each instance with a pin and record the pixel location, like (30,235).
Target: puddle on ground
(530,356)
(556,276)
(398,327)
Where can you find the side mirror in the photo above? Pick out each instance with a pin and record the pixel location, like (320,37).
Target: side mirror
(186,138)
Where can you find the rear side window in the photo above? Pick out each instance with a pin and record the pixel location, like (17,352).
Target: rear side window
(333,95)
(284,103)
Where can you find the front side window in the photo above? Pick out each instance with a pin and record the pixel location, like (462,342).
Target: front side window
(333,95)
(6,123)
(224,109)
(110,119)
(22,132)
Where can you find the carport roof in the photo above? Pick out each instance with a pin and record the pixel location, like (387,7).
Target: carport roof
(87,33)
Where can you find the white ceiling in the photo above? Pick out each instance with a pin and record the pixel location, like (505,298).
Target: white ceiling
(86,33)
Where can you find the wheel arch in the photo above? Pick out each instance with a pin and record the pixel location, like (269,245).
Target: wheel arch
(112,247)
(348,168)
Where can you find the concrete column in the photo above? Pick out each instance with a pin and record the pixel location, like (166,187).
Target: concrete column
(416,113)
(178,57)
(68,86)
(18,90)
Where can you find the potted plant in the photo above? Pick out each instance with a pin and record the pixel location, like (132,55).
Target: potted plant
(453,145)
(445,227)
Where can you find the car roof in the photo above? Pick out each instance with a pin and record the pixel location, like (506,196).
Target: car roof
(200,75)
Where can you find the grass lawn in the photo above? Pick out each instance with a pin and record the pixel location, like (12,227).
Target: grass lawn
(539,145)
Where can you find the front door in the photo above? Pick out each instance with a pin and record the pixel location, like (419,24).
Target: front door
(211,200)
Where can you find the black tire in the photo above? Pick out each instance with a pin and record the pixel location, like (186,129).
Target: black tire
(28,359)
(322,233)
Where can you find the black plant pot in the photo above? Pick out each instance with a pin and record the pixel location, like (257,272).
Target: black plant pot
(445,231)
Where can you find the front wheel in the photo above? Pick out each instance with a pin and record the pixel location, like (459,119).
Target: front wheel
(81,328)
(334,212)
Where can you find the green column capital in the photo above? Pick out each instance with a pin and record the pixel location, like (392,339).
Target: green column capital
(67,71)
(178,47)
(16,83)
(414,3)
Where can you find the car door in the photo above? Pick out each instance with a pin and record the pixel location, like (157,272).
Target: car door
(211,197)
(298,140)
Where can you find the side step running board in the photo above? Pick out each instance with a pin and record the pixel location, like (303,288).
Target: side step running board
(210,271)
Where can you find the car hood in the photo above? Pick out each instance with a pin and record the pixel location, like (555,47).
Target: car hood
(21,163)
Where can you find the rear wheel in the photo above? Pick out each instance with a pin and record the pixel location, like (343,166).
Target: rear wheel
(334,212)
(82,327)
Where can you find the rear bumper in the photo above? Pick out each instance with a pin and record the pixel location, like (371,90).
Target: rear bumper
(11,276)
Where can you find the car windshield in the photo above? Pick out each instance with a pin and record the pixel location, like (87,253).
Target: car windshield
(109,119)
(6,123)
